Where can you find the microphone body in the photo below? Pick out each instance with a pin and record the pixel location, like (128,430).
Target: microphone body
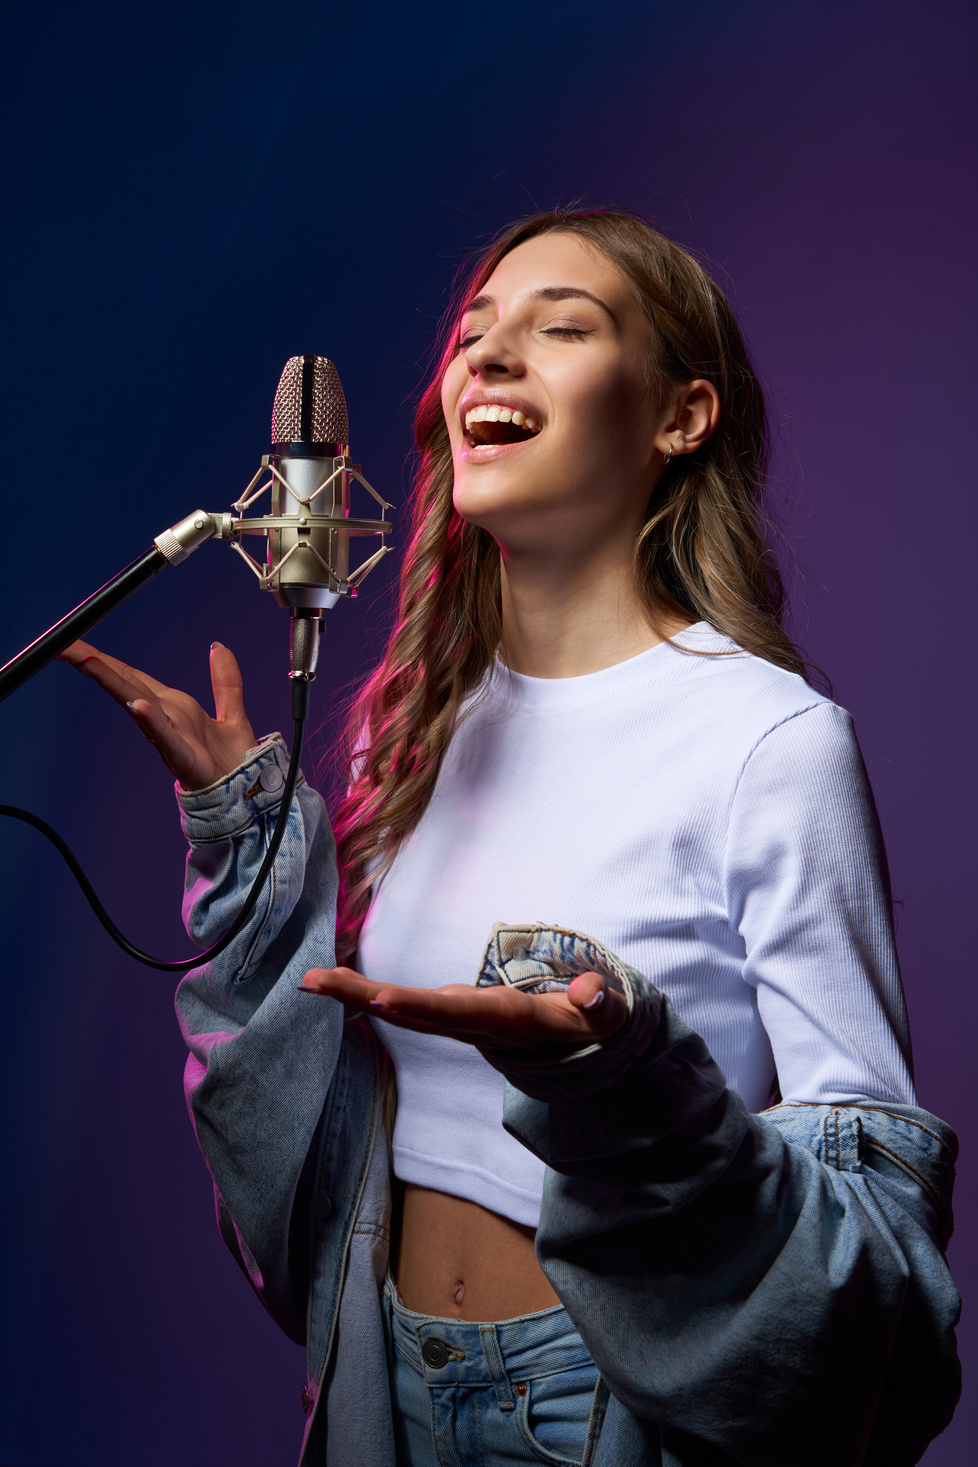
(306,561)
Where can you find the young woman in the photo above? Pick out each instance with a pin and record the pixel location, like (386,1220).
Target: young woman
(589,723)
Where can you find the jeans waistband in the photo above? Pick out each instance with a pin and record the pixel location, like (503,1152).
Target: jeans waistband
(503,1353)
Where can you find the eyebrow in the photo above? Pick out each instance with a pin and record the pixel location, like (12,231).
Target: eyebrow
(548,293)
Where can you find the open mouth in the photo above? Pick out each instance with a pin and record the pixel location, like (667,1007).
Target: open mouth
(490,425)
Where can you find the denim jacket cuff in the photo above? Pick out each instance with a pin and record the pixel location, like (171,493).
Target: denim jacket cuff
(232,802)
(540,959)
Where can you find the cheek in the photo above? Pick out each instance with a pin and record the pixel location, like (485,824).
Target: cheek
(613,415)
(452,387)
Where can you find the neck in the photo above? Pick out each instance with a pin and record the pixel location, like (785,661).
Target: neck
(568,617)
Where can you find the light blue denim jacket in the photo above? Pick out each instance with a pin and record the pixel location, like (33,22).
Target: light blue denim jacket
(754,1289)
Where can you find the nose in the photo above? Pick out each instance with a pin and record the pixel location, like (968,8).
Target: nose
(494,354)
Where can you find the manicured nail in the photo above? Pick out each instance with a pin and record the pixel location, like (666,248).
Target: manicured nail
(216,644)
(301,988)
(378,1003)
(596,1000)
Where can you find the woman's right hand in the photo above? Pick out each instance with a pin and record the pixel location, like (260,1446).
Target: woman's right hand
(196,748)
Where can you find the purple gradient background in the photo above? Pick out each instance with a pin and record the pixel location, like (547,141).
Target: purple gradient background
(196,193)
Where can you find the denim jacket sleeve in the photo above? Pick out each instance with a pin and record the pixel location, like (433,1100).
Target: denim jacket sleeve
(765,1288)
(261,1055)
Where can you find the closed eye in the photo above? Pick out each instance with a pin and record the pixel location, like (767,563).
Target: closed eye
(565,331)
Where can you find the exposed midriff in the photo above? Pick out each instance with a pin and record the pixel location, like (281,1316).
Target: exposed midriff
(457,1260)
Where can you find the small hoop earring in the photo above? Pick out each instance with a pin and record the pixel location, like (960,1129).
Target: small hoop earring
(668,458)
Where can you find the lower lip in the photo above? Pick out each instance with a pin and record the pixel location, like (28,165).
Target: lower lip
(492,451)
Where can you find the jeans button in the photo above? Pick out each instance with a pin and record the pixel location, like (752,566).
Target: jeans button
(320,1206)
(434,1353)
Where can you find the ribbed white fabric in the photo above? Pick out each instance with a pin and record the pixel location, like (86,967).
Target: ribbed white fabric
(708,819)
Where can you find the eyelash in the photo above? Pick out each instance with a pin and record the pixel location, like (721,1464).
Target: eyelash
(575,331)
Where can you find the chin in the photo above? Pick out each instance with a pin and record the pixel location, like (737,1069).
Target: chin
(484,491)
(483,510)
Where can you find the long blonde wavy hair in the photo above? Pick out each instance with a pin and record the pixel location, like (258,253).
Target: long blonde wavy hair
(702,554)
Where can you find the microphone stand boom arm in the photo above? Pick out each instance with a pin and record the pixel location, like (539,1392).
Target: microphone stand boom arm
(169,548)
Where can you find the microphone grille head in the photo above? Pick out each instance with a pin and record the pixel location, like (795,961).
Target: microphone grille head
(309,407)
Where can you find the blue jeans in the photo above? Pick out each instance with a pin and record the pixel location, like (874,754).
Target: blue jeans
(491,1395)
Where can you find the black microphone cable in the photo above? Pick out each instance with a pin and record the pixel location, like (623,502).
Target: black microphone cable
(300,709)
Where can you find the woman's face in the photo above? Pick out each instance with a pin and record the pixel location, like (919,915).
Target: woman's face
(548,403)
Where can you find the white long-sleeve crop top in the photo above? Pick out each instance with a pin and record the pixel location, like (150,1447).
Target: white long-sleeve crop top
(705,817)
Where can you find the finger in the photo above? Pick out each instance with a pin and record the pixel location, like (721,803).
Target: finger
(340,983)
(88,659)
(354,988)
(227,685)
(361,994)
(124,687)
(603,1007)
(77,652)
(498,1018)
(355,993)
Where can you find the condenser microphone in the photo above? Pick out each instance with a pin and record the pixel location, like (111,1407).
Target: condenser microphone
(310,526)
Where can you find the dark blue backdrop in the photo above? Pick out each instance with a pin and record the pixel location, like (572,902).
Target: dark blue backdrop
(197,191)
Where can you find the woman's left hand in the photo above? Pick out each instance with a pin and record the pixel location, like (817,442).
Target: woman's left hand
(498,1017)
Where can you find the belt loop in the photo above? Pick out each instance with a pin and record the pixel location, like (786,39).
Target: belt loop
(494,1360)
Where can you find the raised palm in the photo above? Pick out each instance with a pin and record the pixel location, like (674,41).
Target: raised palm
(196,748)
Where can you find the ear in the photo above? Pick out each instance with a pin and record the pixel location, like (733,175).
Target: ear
(690,419)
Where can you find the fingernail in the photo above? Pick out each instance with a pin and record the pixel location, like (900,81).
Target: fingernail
(301,988)
(377,1003)
(216,644)
(596,1000)
(132,708)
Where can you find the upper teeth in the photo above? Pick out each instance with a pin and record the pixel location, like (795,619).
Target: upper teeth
(490,413)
